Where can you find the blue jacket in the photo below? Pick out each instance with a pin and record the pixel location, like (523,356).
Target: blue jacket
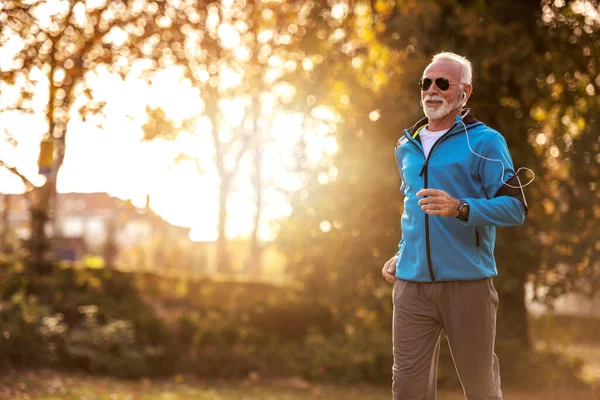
(435,248)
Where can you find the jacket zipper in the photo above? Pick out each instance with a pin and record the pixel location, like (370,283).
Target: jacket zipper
(424,174)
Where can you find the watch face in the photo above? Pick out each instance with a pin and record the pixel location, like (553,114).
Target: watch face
(464,209)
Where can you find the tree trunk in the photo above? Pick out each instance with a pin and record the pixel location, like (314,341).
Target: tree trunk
(40,208)
(222,258)
(254,260)
(53,201)
(515,261)
(513,326)
(253,266)
(111,249)
(5,225)
(38,244)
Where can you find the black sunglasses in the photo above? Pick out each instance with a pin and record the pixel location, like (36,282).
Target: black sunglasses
(441,83)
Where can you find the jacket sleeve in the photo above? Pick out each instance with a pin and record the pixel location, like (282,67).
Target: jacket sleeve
(399,246)
(504,204)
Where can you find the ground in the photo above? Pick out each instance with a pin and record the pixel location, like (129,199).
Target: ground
(50,385)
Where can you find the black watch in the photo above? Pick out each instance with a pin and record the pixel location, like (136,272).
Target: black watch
(463,210)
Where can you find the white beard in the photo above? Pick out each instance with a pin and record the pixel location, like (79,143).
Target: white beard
(440,112)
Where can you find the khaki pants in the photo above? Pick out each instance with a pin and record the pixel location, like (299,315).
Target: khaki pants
(466,311)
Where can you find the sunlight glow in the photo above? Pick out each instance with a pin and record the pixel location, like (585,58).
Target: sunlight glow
(374,115)
(308,64)
(325,113)
(587,9)
(339,10)
(93,4)
(229,79)
(117,36)
(212,21)
(234,110)
(325,226)
(8,50)
(265,36)
(105,153)
(230,37)
(540,139)
(42,12)
(242,53)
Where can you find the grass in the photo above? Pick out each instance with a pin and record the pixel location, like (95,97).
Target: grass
(48,385)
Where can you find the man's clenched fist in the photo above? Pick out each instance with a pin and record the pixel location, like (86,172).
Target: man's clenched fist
(389,270)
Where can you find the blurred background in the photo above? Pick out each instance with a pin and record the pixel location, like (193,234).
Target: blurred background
(207,190)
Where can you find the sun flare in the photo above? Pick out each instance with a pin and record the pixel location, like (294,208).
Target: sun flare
(108,154)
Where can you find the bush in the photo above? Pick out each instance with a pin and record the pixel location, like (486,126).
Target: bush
(108,348)
(361,352)
(532,370)
(30,334)
(227,347)
(132,325)
(104,325)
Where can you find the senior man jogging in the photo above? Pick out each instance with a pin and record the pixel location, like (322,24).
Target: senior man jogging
(458,183)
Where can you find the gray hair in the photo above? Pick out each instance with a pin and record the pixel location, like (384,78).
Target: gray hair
(466,74)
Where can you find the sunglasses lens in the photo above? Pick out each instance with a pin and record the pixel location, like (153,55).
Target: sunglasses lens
(442,83)
(425,83)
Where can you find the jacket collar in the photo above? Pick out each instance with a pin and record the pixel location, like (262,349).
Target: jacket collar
(466,117)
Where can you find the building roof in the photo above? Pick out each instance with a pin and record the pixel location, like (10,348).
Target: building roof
(89,205)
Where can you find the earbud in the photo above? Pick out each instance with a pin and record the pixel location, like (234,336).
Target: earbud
(464,101)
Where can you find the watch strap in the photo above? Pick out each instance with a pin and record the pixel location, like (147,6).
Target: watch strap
(460,214)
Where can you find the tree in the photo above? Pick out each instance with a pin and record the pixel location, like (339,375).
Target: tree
(522,88)
(566,140)
(515,52)
(272,50)
(343,222)
(59,43)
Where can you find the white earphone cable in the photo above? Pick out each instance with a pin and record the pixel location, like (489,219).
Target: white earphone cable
(500,161)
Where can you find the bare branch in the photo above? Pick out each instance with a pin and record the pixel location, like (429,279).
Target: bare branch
(26,181)
(17,108)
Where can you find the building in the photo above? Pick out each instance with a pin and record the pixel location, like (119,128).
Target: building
(96,223)
(133,238)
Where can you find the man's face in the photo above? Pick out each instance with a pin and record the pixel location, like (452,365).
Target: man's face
(438,103)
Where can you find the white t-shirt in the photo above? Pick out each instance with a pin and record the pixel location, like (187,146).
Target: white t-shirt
(429,138)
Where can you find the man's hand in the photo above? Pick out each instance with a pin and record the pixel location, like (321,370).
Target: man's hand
(389,270)
(438,203)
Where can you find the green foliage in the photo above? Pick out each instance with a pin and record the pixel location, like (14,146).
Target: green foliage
(362,352)
(538,369)
(108,348)
(30,334)
(108,325)
(90,319)
(225,347)
(230,329)
(340,233)
(281,311)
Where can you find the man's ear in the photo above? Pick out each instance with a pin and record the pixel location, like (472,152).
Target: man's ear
(468,90)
